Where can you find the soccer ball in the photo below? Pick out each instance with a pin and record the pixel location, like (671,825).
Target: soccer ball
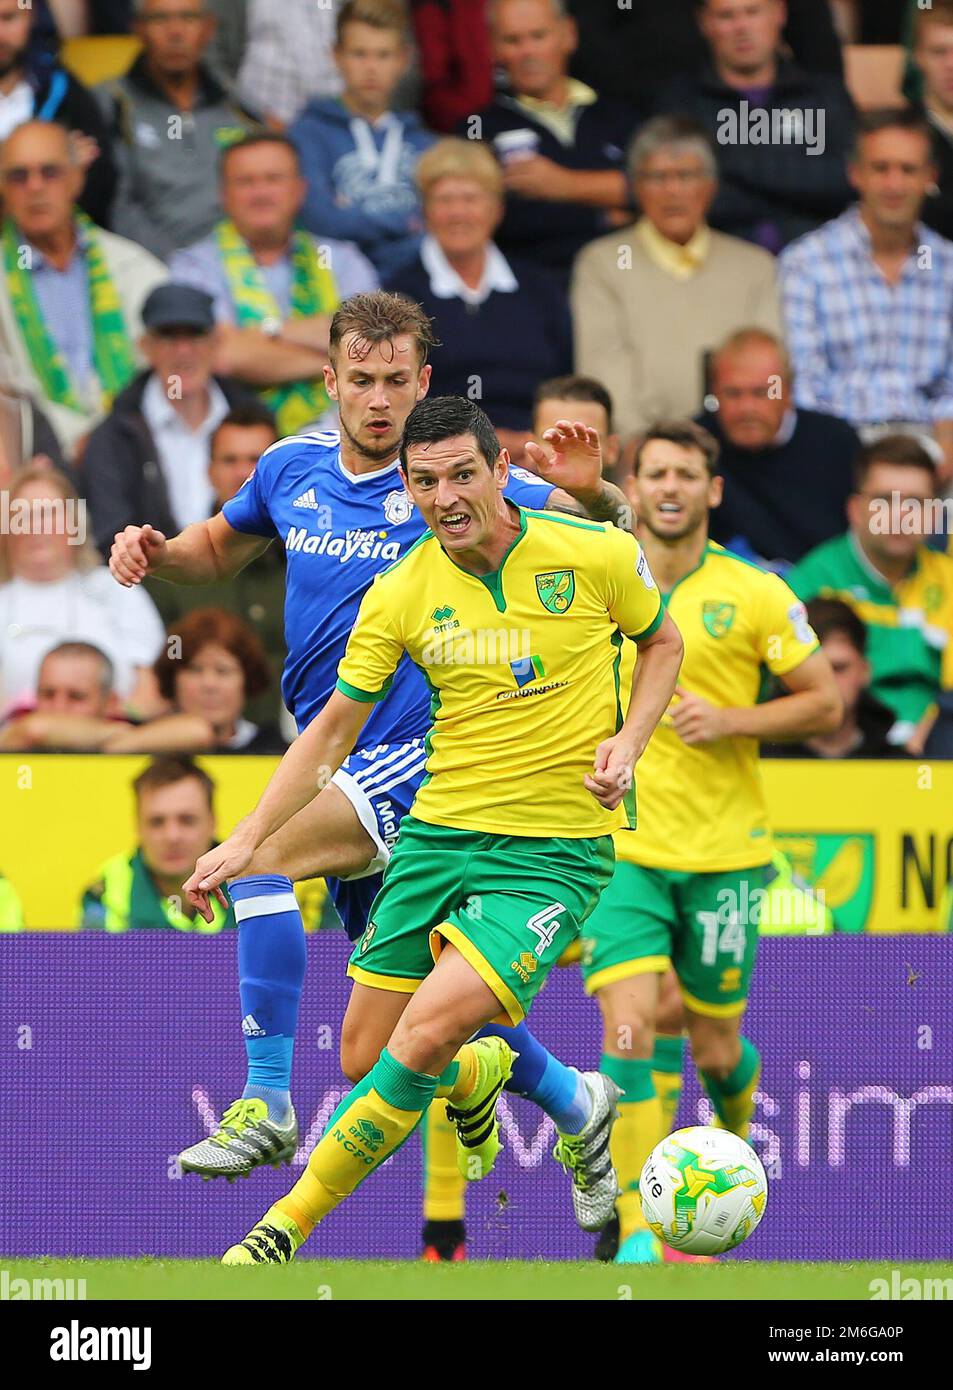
(703,1190)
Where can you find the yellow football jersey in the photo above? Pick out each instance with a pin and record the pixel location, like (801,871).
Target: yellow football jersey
(702,807)
(523,668)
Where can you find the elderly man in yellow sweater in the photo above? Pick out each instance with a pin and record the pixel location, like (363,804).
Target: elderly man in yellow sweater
(652,300)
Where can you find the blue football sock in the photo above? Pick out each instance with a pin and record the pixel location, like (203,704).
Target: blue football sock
(558,1090)
(271,965)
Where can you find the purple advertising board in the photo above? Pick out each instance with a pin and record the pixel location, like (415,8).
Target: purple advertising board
(120,1051)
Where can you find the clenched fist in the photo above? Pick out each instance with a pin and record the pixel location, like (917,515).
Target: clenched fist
(136,552)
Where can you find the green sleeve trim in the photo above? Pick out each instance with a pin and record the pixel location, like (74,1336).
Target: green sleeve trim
(366,697)
(562,519)
(653,626)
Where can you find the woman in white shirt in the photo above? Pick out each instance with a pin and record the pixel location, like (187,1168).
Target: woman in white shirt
(53,586)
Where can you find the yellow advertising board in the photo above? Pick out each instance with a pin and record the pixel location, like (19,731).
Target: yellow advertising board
(876,837)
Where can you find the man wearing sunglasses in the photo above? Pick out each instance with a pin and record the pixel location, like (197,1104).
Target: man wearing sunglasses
(70,293)
(33,86)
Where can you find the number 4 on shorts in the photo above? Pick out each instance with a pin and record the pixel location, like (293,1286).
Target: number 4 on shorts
(545,925)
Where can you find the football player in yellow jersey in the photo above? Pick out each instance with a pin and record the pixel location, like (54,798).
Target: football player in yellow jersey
(689,883)
(517,620)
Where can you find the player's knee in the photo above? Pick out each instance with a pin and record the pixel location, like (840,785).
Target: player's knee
(627,1033)
(715,1052)
(356,1059)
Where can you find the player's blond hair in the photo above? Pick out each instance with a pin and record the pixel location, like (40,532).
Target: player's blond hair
(378,14)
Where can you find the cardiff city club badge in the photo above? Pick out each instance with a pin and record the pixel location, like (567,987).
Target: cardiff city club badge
(397,506)
(557,590)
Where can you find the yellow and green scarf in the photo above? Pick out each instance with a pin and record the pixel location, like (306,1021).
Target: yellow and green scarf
(313,291)
(113,354)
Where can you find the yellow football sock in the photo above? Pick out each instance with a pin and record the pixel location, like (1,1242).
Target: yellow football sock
(634,1134)
(667,1064)
(372,1121)
(444,1186)
(459,1079)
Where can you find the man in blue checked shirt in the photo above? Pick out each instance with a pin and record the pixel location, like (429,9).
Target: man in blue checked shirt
(868,297)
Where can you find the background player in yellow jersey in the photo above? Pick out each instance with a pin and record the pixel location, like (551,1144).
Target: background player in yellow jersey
(688,884)
(517,619)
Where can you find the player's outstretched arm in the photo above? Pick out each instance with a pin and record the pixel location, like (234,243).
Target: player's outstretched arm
(653,685)
(204,553)
(575,467)
(303,772)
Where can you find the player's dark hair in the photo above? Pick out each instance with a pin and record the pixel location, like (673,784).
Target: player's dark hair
(687,435)
(165,772)
(379,317)
(830,615)
(899,450)
(205,627)
(574,388)
(445,417)
(259,137)
(254,415)
(891,118)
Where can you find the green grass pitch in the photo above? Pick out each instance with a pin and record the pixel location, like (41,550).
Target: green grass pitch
(123,1280)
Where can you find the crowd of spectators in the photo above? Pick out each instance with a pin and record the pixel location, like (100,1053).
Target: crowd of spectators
(614,213)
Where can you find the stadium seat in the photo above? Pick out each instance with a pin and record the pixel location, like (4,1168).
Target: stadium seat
(98,58)
(874,74)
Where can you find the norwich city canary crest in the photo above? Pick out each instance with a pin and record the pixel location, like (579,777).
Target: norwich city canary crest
(557,590)
(717,617)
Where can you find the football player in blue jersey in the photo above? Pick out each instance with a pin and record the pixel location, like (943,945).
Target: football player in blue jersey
(336,503)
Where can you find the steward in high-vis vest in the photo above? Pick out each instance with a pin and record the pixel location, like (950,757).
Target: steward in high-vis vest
(125,896)
(175,825)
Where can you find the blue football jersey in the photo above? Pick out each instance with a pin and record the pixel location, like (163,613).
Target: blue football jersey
(339,532)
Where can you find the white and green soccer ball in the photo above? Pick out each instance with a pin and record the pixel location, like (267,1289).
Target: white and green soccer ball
(703,1190)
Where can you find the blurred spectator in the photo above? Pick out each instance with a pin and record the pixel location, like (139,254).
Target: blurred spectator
(562,147)
(71,295)
(169,120)
(501,328)
(902,590)
(288,58)
(113,16)
(275,287)
(933,55)
(649,302)
(257,592)
(35,87)
(640,45)
(357,155)
(456,59)
(578,398)
(867,723)
(175,825)
(229,43)
(788,473)
(774,187)
(149,457)
(26,436)
(868,298)
(77,710)
(11,913)
(212,665)
(53,588)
